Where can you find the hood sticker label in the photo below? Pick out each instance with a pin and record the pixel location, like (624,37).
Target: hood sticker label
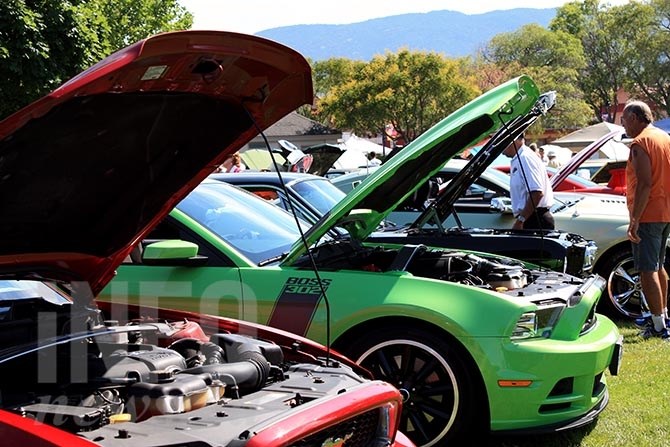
(154,72)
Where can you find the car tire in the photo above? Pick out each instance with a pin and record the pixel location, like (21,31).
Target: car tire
(440,396)
(625,298)
(624,292)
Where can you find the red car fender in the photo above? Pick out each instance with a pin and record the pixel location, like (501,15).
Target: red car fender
(313,420)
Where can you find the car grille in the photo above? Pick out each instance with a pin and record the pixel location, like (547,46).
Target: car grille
(359,431)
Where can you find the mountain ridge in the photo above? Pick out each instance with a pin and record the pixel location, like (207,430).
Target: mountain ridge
(451,33)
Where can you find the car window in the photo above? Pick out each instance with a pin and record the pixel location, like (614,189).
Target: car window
(320,194)
(477,190)
(483,189)
(268,194)
(256,228)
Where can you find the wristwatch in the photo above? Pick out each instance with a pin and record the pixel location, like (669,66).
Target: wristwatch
(520,218)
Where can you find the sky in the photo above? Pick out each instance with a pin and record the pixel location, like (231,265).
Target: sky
(252,16)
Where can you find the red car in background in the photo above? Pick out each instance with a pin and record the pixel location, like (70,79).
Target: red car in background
(614,174)
(566,178)
(88,171)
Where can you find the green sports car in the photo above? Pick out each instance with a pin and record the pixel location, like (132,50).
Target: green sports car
(474,341)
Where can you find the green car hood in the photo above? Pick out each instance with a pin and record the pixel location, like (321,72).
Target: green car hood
(363,209)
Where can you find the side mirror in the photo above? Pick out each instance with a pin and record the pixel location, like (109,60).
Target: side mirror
(172,253)
(501,205)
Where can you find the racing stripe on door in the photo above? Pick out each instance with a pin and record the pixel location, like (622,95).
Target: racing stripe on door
(296,304)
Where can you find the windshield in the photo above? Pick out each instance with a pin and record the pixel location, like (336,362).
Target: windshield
(319,193)
(254,227)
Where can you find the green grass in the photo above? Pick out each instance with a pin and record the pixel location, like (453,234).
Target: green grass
(639,409)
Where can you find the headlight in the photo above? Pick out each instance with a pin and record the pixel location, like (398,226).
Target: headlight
(590,255)
(538,323)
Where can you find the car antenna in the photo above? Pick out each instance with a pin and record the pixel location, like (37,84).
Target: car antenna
(302,234)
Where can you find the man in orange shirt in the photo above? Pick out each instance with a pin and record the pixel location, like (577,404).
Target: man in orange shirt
(648,197)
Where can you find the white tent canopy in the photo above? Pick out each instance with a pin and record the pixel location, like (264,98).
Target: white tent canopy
(563,154)
(356,150)
(583,137)
(614,150)
(361,144)
(351,159)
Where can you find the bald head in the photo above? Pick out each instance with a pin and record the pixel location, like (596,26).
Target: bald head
(636,117)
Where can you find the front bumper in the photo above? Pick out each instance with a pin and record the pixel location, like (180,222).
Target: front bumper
(567,379)
(561,426)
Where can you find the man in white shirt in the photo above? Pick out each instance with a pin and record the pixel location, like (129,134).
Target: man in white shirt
(530,190)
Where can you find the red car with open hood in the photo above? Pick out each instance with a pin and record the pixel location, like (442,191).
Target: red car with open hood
(86,172)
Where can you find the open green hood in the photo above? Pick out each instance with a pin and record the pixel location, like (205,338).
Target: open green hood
(361,211)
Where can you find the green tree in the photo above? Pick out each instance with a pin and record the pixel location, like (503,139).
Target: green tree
(45,42)
(604,48)
(329,73)
(40,47)
(124,22)
(645,31)
(326,75)
(410,90)
(553,59)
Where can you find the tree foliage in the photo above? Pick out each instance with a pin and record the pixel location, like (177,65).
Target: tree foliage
(599,31)
(332,72)
(40,47)
(645,30)
(45,42)
(128,21)
(408,89)
(552,59)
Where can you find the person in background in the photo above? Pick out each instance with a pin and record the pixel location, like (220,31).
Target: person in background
(233,163)
(534,148)
(373,160)
(552,160)
(648,200)
(530,189)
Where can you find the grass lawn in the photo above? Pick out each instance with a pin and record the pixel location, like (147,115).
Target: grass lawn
(639,409)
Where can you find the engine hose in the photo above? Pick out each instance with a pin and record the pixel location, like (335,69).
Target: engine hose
(213,353)
(249,375)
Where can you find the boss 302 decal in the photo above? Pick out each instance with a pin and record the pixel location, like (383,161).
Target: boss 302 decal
(297,303)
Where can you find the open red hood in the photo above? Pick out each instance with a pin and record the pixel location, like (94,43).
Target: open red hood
(87,170)
(583,155)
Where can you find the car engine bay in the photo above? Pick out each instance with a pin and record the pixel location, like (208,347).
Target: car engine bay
(155,381)
(486,271)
